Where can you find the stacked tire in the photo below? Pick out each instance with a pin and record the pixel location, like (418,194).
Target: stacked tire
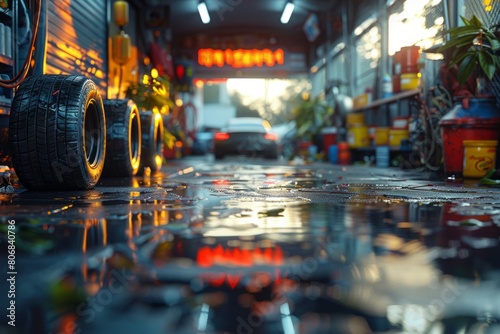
(123,137)
(152,140)
(57,132)
(64,136)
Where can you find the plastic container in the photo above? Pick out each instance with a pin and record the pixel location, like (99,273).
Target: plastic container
(479,157)
(455,130)
(396,63)
(329,135)
(2,39)
(358,136)
(400,122)
(302,148)
(482,107)
(387,86)
(397,135)
(354,119)
(312,151)
(344,153)
(8,41)
(396,83)
(409,59)
(410,81)
(382,156)
(333,154)
(381,136)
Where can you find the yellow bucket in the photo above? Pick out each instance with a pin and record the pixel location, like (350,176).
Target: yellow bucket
(397,135)
(479,157)
(381,136)
(358,136)
(353,119)
(410,81)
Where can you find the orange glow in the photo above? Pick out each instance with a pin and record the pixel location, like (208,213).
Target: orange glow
(233,280)
(271,136)
(221,136)
(67,324)
(207,257)
(259,280)
(241,57)
(221,182)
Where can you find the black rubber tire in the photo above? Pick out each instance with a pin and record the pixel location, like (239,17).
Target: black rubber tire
(152,140)
(272,156)
(57,132)
(218,156)
(123,138)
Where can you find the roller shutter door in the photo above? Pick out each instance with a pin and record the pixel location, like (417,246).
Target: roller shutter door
(77,39)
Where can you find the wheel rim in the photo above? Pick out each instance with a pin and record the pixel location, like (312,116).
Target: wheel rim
(93,135)
(134,139)
(158,136)
(158,139)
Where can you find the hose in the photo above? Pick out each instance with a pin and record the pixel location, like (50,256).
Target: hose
(21,75)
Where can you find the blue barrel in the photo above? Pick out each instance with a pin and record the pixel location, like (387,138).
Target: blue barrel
(382,156)
(333,154)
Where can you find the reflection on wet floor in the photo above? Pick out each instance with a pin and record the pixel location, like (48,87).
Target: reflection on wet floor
(258,249)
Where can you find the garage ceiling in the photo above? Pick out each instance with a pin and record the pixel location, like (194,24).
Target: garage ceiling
(251,21)
(237,15)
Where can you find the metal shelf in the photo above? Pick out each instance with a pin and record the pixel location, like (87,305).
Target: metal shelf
(392,99)
(6,60)
(5,12)
(4,106)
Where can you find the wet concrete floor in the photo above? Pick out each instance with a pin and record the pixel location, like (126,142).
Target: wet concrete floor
(251,246)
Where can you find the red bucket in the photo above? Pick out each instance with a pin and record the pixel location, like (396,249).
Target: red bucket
(409,59)
(455,131)
(329,138)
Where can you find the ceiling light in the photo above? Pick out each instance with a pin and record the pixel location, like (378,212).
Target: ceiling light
(287,12)
(203,10)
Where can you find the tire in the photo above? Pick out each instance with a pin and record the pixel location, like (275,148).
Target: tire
(272,156)
(57,133)
(152,140)
(123,138)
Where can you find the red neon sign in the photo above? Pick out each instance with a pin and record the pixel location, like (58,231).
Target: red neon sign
(240,57)
(208,257)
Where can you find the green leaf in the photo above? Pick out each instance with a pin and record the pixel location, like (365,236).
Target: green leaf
(458,59)
(487,64)
(465,68)
(462,40)
(476,22)
(304,128)
(463,31)
(465,21)
(494,43)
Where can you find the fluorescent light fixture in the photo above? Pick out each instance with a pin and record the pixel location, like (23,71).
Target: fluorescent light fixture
(287,12)
(203,10)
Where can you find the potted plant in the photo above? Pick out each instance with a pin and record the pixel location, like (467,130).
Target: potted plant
(310,116)
(474,49)
(152,97)
(472,53)
(151,93)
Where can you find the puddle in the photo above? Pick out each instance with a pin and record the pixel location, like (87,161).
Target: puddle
(249,250)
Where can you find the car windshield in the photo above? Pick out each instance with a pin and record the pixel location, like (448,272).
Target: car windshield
(246,127)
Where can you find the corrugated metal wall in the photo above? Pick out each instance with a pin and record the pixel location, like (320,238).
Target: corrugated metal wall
(77,39)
